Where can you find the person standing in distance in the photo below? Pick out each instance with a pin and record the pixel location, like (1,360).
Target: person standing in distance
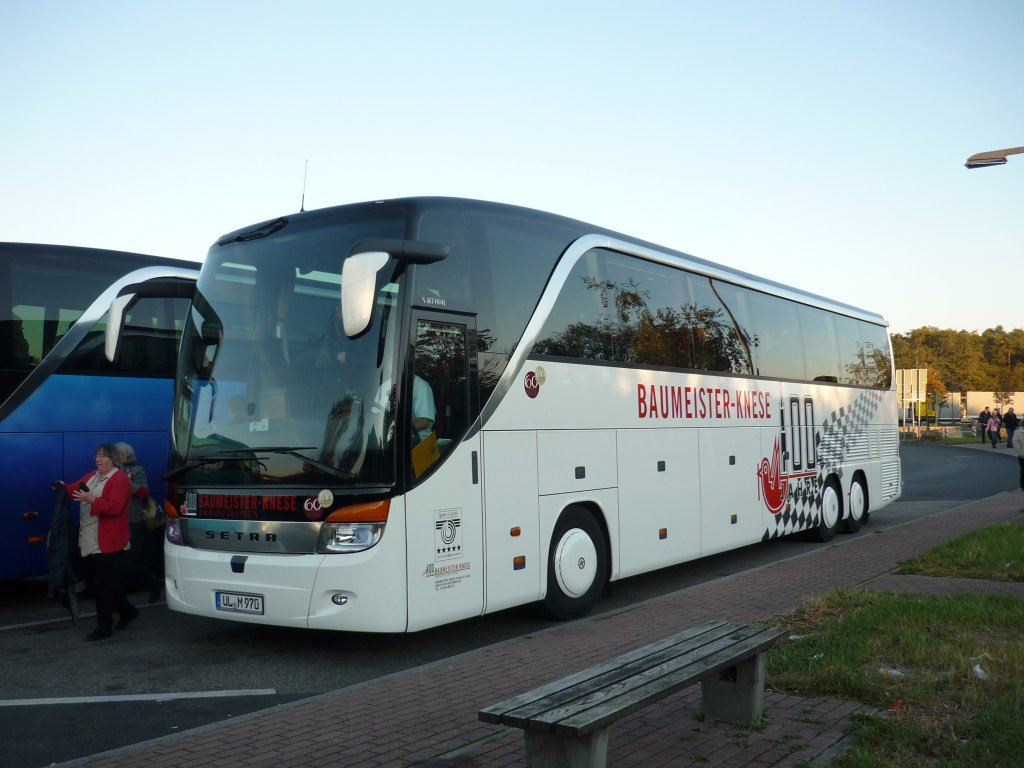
(1011,422)
(993,429)
(103,535)
(983,418)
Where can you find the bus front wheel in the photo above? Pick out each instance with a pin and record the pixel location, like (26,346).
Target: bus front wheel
(577,565)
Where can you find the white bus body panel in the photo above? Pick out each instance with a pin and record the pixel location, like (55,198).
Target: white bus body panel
(571,461)
(512,520)
(659,488)
(731,515)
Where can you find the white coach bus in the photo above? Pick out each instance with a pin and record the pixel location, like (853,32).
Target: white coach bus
(398,414)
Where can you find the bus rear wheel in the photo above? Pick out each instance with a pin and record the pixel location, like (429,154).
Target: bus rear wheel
(577,565)
(857,513)
(831,511)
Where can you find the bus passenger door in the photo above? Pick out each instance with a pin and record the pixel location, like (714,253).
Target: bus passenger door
(443,508)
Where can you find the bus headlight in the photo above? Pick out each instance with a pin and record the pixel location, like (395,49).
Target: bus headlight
(348,537)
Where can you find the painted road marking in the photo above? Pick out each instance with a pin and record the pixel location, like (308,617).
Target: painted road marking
(137,697)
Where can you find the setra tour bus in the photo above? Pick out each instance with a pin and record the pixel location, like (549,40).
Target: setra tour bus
(397,414)
(59,395)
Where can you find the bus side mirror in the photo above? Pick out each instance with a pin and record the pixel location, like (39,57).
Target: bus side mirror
(169,283)
(204,351)
(359,289)
(115,326)
(359,275)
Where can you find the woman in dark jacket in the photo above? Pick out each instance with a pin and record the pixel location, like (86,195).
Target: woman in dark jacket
(141,565)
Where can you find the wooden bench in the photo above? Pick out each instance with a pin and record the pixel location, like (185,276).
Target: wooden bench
(566,722)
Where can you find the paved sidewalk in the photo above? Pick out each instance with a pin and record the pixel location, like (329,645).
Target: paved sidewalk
(428,716)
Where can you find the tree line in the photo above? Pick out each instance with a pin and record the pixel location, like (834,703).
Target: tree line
(962,361)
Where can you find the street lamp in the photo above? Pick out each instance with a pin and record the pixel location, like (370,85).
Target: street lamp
(995,157)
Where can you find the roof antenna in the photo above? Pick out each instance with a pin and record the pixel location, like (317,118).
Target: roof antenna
(302,206)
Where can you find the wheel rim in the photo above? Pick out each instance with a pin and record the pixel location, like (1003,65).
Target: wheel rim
(575,563)
(857,501)
(830,507)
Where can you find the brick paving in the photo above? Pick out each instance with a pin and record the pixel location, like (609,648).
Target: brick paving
(427,716)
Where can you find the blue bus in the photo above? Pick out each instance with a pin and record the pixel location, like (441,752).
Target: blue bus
(59,394)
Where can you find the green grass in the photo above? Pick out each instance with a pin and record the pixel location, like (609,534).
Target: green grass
(935,438)
(995,553)
(960,440)
(937,711)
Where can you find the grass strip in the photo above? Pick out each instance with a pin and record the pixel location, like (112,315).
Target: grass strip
(921,659)
(995,553)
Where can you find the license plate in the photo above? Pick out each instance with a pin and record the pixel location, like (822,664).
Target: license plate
(239,602)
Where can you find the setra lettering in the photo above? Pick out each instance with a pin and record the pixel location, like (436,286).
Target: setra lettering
(252,536)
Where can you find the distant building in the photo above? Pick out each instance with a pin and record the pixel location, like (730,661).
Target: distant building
(976,402)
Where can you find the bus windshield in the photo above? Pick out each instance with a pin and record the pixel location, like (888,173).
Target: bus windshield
(270,389)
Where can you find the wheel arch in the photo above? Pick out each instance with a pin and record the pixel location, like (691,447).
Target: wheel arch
(602,505)
(597,512)
(569,594)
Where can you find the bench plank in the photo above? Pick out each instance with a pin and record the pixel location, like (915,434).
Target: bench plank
(592,699)
(566,723)
(497,713)
(595,713)
(522,710)
(626,678)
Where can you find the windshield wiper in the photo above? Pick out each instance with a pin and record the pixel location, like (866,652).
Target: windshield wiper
(257,233)
(199,461)
(341,474)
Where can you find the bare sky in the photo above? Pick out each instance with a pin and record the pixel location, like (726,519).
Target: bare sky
(820,144)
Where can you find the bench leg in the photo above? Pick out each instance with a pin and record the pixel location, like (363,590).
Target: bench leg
(736,695)
(549,750)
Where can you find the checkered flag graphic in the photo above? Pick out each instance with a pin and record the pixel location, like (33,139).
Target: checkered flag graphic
(841,438)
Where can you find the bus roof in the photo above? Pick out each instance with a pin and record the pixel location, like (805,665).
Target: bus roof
(44,250)
(418,205)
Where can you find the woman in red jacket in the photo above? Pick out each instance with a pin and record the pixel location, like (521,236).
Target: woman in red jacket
(103,535)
